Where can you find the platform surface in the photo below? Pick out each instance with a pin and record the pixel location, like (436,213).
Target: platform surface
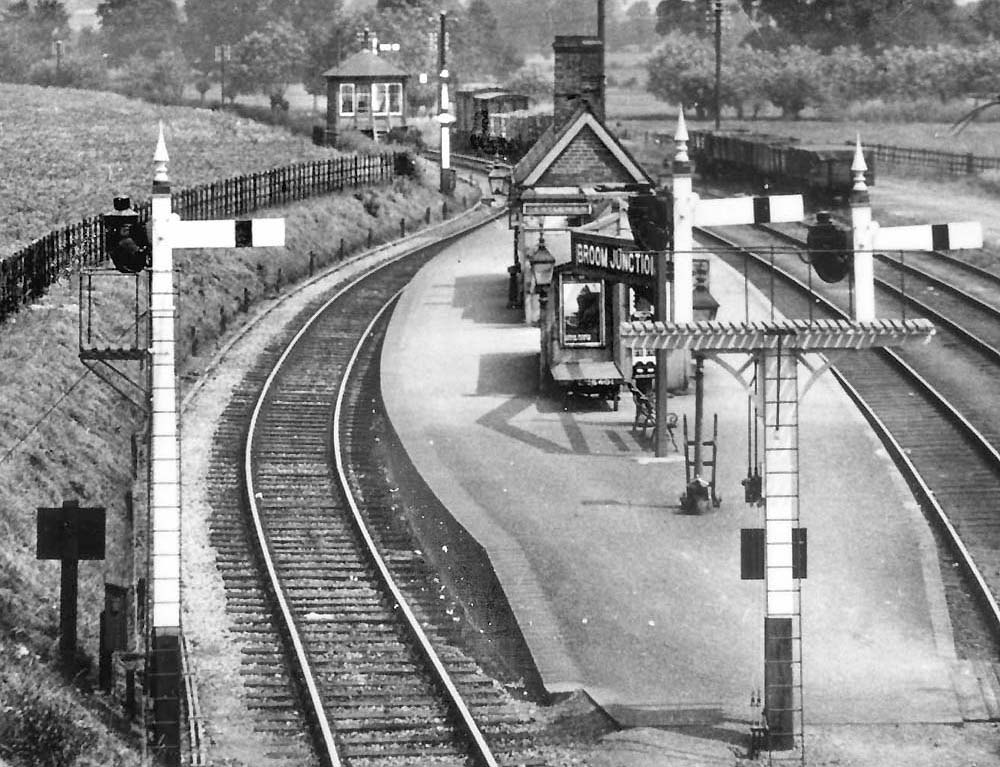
(616,591)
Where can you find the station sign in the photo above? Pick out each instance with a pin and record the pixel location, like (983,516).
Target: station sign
(616,258)
(554,208)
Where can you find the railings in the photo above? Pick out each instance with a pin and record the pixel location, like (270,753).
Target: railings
(26,274)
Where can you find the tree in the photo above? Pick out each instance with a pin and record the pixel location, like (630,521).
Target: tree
(680,16)
(219,22)
(640,23)
(267,61)
(479,50)
(825,24)
(986,17)
(793,80)
(146,28)
(27,36)
(683,71)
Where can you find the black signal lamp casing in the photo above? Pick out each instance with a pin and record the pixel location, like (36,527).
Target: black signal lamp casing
(126,241)
(829,248)
(651,217)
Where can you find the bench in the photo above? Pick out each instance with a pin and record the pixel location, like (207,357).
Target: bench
(645,414)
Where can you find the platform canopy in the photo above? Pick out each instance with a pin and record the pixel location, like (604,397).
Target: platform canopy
(787,335)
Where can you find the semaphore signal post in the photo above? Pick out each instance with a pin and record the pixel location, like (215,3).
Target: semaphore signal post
(773,353)
(170,232)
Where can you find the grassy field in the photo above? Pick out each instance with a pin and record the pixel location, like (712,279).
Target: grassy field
(64,158)
(66,434)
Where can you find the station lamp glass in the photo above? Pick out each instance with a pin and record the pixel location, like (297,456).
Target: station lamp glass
(543,265)
(704,307)
(499,178)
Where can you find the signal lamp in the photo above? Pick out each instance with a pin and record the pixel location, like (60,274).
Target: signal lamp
(829,251)
(651,218)
(126,242)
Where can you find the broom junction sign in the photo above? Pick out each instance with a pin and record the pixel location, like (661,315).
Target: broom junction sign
(613,257)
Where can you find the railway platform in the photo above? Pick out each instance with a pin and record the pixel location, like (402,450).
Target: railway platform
(615,590)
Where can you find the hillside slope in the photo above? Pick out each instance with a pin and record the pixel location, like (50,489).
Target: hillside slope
(65,153)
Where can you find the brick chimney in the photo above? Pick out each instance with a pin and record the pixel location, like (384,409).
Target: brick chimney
(579,75)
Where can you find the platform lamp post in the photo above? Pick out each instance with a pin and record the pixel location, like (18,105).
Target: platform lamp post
(698,495)
(543,265)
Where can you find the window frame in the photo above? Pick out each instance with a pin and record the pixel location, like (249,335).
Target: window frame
(353,102)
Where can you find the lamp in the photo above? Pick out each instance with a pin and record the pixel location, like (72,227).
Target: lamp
(499,179)
(543,265)
(704,307)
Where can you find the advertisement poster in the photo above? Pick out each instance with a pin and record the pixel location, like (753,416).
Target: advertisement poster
(582,313)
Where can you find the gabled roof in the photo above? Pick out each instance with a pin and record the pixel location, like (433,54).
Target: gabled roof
(365,64)
(545,153)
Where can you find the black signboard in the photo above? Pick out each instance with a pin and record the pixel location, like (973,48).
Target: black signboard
(616,258)
(70,532)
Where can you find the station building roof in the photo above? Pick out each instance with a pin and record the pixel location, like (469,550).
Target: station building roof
(579,151)
(364,65)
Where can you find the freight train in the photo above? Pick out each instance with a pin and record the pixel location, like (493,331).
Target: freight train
(822,172)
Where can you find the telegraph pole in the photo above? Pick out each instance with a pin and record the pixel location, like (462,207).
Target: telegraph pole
(445,118)
(717,7)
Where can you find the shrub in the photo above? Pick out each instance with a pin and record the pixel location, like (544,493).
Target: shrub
(39,726)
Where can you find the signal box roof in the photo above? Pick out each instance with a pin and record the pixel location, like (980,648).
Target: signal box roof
(365,64)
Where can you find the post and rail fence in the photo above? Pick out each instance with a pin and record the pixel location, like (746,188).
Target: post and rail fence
(26,274)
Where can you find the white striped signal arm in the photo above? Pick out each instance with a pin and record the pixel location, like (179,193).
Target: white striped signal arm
(229,233)
(732,211)
(963,235)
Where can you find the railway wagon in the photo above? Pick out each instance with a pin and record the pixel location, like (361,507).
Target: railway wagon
(783,163)
(577,352)
(476,106)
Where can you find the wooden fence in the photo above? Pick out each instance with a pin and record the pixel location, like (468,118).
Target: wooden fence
(944,162)
(26,274)
(886,156)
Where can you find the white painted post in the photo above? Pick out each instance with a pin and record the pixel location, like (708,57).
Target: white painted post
(861,236)
(445,122)
(684,204)
(165,481)
(170,232)
(164,443)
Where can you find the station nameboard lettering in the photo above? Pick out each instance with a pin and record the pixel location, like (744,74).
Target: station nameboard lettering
(566,208)
(616,257)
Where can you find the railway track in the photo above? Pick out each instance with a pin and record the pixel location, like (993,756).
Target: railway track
(931,407)
(348,656)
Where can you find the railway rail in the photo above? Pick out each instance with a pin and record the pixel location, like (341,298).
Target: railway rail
(930,406)
(344,662)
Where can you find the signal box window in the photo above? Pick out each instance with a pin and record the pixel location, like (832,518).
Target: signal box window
(380,98)
(581,312)
(363,100)
(396,98)
(347,98)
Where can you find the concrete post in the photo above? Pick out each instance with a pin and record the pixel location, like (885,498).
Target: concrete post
(862,240)
(165,490)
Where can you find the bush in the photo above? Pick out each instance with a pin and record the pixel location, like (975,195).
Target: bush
(160,80)
(75,71)
(40,726)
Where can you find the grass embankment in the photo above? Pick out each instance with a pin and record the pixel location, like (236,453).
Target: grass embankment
(66,434)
